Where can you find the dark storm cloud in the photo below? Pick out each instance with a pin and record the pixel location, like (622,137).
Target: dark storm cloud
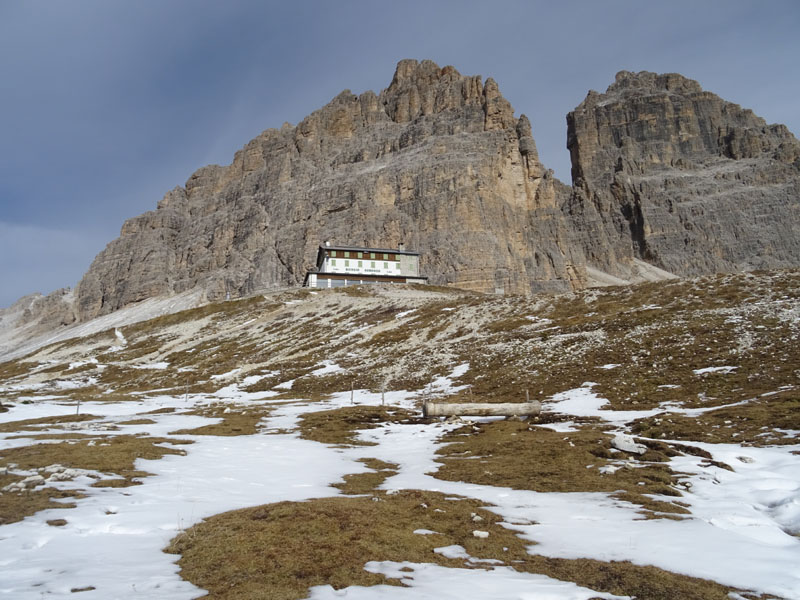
(106,105)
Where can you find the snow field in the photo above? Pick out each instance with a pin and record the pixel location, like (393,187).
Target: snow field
(739,533)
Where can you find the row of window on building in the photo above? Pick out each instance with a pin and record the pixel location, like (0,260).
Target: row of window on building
(360,264)
(354,254)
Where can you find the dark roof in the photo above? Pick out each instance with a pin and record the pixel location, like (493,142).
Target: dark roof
(357,249)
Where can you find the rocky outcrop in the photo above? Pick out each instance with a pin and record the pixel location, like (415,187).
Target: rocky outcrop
(34,315)
(675,176)
(437,161)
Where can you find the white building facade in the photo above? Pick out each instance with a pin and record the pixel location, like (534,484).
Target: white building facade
(338,266)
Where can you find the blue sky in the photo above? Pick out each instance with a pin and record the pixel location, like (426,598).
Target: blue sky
(105,105)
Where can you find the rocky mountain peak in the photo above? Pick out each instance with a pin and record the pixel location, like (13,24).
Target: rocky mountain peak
(647,81)
(683,179)
(422,88)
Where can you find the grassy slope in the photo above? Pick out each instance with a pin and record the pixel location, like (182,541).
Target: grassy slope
(658,334)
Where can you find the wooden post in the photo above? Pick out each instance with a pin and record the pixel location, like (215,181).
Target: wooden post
(527,395)
(78,407)
(383,394)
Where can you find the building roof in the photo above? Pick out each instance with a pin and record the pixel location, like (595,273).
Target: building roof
(358,249)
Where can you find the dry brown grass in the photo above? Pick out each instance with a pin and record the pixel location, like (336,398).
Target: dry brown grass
(54,436)
(365,483)
(625,578)
(109,454)
(239,420)
(517,455)
(15,368)
(755,423)
(339,426)
(281,550)
(15,506)
(138,422)
(44,423)
(658,334)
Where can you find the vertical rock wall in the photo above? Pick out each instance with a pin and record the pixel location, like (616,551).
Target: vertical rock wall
(673,175)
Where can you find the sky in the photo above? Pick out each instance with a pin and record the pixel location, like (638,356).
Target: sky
(106,105)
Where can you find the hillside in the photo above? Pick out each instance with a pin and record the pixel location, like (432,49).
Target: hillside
(276,443)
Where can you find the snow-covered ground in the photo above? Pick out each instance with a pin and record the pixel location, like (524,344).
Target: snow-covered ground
(741,532)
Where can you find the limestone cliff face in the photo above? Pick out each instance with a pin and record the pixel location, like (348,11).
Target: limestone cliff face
(668,173)
(437,161)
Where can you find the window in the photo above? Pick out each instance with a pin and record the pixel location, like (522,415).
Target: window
(360,255)
(372,255)
(359,262)
(346,254)
(385,257)
(333,253)
(347,262)
(372,264)
(333,262)
(386,264)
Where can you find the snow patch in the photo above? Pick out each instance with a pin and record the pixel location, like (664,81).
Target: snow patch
(429,581)
(227,375)
(714,370)
(327,367)
(157,366)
